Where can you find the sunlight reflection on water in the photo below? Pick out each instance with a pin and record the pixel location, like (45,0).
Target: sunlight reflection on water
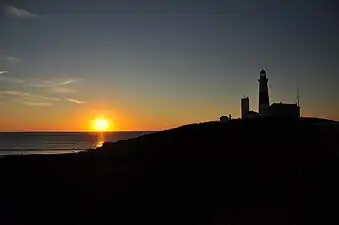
(101,140)
(18,143)
(99,144)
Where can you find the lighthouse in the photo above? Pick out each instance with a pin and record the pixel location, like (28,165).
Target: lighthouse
(264,101)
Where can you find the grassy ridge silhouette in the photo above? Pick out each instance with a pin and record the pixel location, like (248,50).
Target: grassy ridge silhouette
(267,171)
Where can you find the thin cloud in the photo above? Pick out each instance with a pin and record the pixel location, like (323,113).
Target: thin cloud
(75,101)
(29,99)
(44,104)
(16,93)
(12,59)
(48,98)
(6,78)
(63,90)
(46,84)
(40,85)
(28,96)
(66,82)
(56,86)
(19,13)
(11,79)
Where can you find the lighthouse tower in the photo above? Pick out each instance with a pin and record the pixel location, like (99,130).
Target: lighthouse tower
(264,101)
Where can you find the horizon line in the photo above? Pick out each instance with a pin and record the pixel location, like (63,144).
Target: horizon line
(80,131)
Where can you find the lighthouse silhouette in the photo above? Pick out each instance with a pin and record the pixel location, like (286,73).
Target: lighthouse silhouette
(264,101)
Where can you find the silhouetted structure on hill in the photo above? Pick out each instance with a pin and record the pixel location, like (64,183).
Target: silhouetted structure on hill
(252,114)
(245,109)
(245,106)
(284,110)
(265,109)
(224,118)
(264,100)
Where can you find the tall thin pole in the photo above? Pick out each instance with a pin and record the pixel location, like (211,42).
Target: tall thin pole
(298,96)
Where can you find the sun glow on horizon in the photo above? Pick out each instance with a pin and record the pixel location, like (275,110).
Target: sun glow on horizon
(101,125)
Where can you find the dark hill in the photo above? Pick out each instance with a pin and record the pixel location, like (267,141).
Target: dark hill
(259,171)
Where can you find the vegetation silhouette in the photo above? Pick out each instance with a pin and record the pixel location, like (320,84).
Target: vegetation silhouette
(244,171)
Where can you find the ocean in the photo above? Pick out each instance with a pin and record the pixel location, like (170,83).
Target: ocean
(18,143)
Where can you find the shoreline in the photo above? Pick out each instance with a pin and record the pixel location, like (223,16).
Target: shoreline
(6,153)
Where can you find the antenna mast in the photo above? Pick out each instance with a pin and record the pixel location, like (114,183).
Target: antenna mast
(298,96)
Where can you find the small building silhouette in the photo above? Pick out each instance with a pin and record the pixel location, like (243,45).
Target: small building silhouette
(251,114)
(284,110)
(224,118)
(245,107)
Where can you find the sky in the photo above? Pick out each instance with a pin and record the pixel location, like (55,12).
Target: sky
(153,64)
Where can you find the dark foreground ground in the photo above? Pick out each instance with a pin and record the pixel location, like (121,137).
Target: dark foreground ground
(238,172)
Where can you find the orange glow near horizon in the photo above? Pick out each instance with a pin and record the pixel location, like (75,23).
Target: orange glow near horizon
(82,118)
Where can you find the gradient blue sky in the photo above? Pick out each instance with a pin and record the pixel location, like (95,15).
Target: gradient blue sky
(152,64)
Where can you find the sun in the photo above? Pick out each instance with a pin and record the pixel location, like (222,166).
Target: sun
(101,125)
